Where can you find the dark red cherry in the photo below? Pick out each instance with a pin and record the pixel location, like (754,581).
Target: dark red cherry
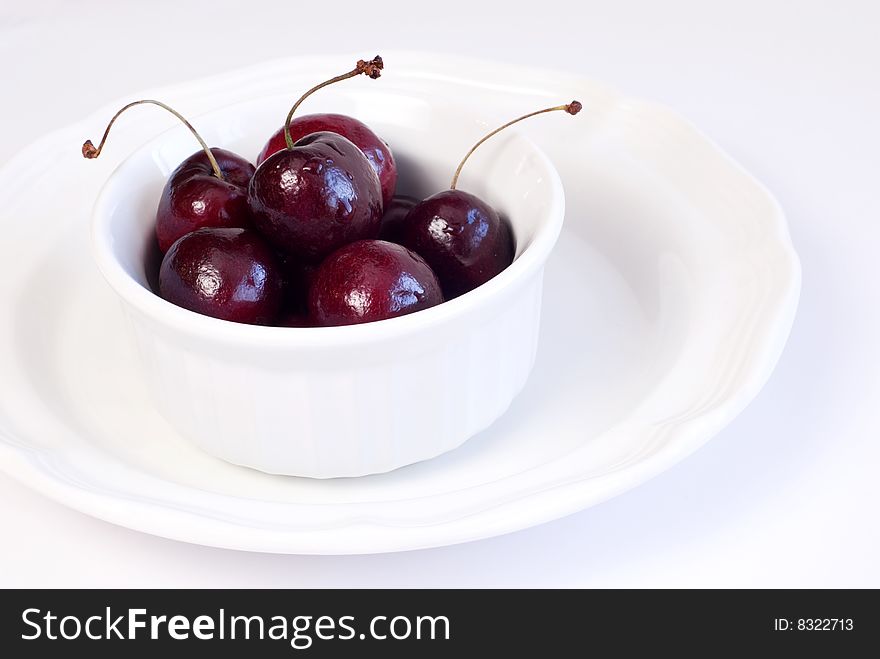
(231,274)
(194,197)
(316,197)
(395,214)
(371,280)
(319,192)
(460,236)
(374,148)
(208,189)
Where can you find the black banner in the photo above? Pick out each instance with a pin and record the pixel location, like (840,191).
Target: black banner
(408,623)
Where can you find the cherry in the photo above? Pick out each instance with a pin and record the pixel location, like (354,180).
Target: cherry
(227,273)
(315,197)
(371,280)
(208,189)
(460,236)
(194,197)
(318,193)
(374,148)
(395,214)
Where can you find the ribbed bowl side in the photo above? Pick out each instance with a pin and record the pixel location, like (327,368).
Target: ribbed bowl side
(353,411)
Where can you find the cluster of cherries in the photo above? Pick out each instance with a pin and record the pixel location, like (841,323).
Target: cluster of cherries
(314,235)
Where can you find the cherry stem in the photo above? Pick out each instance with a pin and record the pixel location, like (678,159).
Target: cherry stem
(90,151)
(372,68)
(572,108)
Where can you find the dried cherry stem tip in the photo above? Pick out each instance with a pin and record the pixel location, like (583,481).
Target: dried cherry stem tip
(571,108)
(91,151)
(371,68)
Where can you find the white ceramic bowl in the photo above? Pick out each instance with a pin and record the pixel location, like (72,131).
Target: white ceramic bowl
(338,401)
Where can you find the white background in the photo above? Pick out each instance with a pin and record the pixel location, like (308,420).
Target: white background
(787,495)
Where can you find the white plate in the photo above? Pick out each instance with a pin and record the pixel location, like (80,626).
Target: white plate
(667,303)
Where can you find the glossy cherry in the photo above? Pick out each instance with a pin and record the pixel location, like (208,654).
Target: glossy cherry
(462,237)
(208,189)
(318,193)
(374,148)
(395,214)
(315,197)
(371,280)
(194,197)
(231,274)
